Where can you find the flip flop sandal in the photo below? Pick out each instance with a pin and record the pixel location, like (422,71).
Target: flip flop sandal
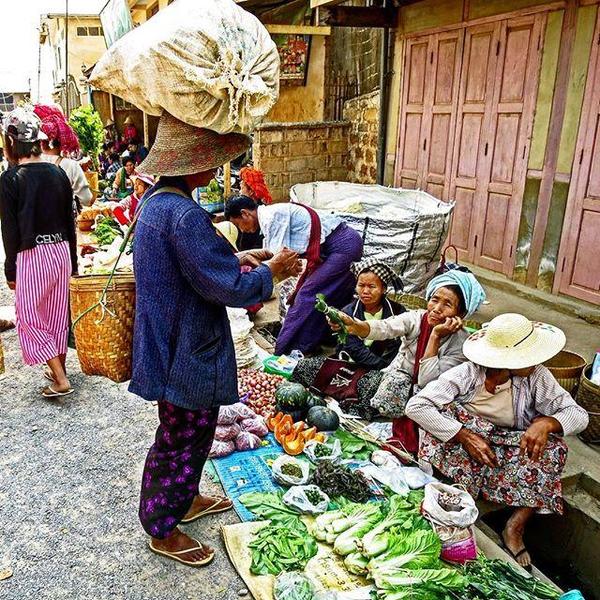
(209,510)
(516,555)
(48,375)
(49,392)
(178,555)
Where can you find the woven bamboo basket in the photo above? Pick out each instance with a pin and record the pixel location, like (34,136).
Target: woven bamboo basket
(567,368)
(588,396)
(104,337)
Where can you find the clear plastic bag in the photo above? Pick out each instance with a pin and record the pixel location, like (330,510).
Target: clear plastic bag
(255,425)
(247,441)
(297,498)
(311,447)
(293,586)
(226,433)
(220,449)
(284,479)
(233,413)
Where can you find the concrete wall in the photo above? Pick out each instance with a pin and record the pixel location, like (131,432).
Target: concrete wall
(428,15)
(291,153)
(363,115)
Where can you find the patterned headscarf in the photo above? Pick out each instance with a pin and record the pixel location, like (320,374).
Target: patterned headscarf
(471,289)
(383,271)
(255,180)
(55,126)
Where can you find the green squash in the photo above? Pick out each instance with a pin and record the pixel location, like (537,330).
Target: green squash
(323,418)
(291,395)
(314,400)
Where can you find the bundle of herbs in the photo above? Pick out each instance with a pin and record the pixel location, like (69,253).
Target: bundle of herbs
(339,480)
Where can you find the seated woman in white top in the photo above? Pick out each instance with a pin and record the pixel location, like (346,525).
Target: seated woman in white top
(495,424)
(329,246)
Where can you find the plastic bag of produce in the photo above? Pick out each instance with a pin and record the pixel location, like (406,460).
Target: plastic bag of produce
(293,586)
(227,433)
(247,441)
(288,470)
(307,499)
(448,505)
(317,451)
(210,64)
(220,449)
(233,413)
(255,425)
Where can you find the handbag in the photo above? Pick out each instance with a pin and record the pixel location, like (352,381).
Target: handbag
(446,266)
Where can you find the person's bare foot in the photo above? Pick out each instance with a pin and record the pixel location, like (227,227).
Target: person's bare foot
(513,537)
(179,542)
(201,503)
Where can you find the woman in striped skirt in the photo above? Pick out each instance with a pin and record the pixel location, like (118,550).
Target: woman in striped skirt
(38,231)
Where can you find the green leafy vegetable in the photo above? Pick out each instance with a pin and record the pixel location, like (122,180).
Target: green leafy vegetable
(446,578)
(352,445)
(339,480)
(268,505)
(361,520)
(276,548)
(293,586)
(356,563)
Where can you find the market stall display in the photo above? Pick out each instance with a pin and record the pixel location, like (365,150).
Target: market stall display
(258,389)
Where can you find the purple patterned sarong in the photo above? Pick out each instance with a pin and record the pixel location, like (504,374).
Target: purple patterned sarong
(304,327)
(174,466)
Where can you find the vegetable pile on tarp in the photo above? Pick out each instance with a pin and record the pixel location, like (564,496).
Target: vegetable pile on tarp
(339,480)
(259,389)
(238,428)
(353,446)
(293,586)
(276,548)
(106,231)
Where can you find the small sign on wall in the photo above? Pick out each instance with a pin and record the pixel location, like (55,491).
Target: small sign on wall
(294,53)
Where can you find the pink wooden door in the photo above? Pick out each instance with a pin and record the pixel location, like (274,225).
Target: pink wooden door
(443,76)
(578,262)
(506,147)
(409,158)
(472,122)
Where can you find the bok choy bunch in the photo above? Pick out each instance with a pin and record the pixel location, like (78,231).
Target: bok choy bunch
(361,520)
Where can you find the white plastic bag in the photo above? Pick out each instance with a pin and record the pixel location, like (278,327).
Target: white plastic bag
(297,499)
(464,517)
(336,450)
(284,479)
(207,62)
(391,477)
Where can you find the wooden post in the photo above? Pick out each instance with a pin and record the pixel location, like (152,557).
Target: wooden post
(146,132)
(227,179)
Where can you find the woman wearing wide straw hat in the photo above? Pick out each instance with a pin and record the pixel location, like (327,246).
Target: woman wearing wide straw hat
(183,354)
(495,424)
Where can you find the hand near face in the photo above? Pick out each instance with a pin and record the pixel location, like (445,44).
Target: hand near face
(448,327)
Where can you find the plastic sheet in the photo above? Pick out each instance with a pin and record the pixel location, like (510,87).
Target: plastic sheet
(403,228)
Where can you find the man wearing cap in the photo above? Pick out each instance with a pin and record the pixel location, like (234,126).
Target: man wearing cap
(183,355)
(495,423)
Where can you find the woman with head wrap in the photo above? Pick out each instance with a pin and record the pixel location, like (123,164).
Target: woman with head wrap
(431,340)
(252,185)
(62,140)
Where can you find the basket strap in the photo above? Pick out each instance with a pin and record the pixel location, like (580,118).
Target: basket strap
(101,302)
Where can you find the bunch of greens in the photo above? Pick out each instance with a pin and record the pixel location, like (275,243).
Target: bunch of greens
(423,584)
(107,230)
(268,505)
(293,586)
(498,580)
(87,124)
(339,480)
(276,549)
(333,315)
(352,445)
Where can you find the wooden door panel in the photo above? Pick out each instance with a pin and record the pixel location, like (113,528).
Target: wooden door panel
(504,153)
(417,67)
(410,156)
(461,219)
(435,189)
(518,41)
(440,136)
(468,150)
(445,77)
(480,50)
(585,275)
(579,268)
(496,222)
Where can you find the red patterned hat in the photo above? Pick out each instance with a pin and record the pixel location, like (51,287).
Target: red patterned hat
(181,149)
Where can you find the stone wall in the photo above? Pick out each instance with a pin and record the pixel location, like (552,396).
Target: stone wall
(291,153)
(363,115)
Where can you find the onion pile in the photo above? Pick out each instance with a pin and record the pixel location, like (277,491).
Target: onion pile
(260,388)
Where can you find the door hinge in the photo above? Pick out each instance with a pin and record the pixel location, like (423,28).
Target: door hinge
(424,144)
(485,151)
(511,251)
(539,41)
(475,242)
(563,264)
(431,58)
(497,47)
(581,156)
(524,150)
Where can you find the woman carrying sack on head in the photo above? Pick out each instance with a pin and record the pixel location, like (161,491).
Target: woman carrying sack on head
(495,424)
(329,246)
(38,231)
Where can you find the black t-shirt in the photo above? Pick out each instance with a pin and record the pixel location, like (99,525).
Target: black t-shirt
(36,207)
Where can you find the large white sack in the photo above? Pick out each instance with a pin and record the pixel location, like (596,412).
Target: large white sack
(207,62)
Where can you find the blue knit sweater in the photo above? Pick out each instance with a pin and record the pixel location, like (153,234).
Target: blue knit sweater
(185,277)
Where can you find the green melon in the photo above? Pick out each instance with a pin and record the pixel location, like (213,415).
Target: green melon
(291,395)
(323,418)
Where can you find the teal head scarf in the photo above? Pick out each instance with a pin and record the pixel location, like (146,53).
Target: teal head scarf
(471,289)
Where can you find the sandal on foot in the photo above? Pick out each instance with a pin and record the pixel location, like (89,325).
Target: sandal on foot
(516,555)
(210,510)
(50,392)
(177,555)
(48,375)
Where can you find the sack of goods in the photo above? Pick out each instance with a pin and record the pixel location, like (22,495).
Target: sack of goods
(208,63)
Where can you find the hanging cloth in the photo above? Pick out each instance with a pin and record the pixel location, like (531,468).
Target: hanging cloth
(313,251)
(405,430)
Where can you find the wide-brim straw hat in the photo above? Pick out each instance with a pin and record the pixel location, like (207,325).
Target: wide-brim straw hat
(181,149)
(512,341)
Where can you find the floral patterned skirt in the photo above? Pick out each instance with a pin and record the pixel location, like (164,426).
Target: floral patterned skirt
(515,481)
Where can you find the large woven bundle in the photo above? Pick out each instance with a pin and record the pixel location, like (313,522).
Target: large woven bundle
(104,335)
(207,62)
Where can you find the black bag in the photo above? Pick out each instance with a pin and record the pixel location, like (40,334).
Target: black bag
(446,266)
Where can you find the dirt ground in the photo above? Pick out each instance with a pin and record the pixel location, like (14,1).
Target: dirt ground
(69,481)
